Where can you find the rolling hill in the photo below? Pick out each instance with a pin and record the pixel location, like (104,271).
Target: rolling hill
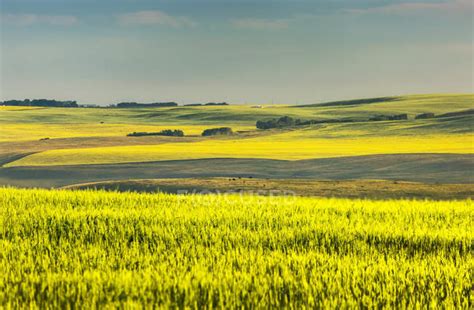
(58,146)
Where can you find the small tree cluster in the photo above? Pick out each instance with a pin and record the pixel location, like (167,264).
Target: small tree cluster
(172,133)
(285,121)
(425,116)
(217,131)
(398,117)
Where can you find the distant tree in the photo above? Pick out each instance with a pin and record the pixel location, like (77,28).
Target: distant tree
(171,133)
(41,103)
(217,131)
(166,132)
(216,103)
(397,117)
(261,125)
(425,116)
(146,105)
(285,121)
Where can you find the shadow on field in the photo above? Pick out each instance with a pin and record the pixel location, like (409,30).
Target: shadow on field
(371,189)
(425,168)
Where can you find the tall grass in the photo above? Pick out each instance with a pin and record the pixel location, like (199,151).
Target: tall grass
(93,249)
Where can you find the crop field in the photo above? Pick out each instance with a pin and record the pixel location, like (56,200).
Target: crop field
(399,235)
(236,155)
(236,114)
(93,249)
(16,131)
(282,146)
(42,140)
(65,136)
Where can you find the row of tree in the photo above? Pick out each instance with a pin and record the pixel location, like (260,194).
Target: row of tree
(144,105)
(163,104)
(73,104)
(217,132)
(166,132)
(287,121)
(180,133)
(397,117)
(205,104)
(40,103)
(127,105)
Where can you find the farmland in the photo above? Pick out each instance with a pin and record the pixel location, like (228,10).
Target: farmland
(340,212)
(236,154)
(97,136)
(284,146)
(51,147)
(96,249)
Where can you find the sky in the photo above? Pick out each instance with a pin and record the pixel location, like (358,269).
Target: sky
(239,51)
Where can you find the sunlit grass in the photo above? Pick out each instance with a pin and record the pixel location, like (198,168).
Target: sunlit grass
(243,115)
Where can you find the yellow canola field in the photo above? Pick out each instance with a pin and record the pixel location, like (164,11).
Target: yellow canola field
(19,108)
(29,132)
(289,146)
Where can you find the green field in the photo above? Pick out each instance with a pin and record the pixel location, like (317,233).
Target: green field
(97,136)
(37,143)
(67,249)
(234,114)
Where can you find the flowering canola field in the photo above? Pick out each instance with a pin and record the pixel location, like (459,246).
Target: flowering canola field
(285,146)
(94,249)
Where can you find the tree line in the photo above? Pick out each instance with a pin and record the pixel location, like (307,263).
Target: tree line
(288,121)
(41,103)
(166,132)
(179,133)
(144,105)
(122,105)
(206,104)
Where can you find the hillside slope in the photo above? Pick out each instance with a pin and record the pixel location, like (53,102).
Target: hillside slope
(429,168)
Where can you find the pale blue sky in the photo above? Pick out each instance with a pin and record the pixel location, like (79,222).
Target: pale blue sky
(261,51)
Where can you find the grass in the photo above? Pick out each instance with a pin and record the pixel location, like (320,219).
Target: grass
(414,104)
(67,249)
(287,146)
(233,115)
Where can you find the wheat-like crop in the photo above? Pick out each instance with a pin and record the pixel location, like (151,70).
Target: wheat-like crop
(90,249)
